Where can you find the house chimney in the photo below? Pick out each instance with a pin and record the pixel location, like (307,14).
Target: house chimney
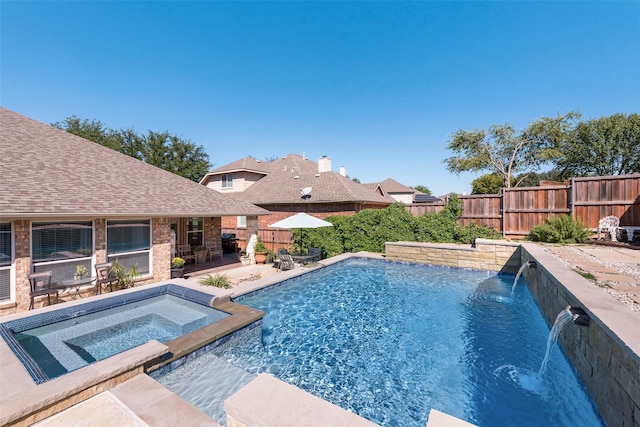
(324,164)
(343,171)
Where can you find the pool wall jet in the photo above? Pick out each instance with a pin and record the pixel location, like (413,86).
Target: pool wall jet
(604,343)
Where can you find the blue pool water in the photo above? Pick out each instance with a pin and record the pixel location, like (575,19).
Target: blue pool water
(390,341)
(64,346)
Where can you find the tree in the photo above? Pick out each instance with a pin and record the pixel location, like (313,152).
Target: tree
(604,146)
(490,183)
(161,149)
(93,130)
(423,189)
(504,151)
(175,155)
(533,179)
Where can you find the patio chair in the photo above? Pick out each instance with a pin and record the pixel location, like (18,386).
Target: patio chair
(317,254)
(104,276)
(214,250)
(276,260)
(184,252)
(286,262)
(40,284)
(609,224)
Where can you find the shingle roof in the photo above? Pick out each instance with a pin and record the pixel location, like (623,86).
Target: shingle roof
(327,187)
(390,185)
(246,163)
(47,172)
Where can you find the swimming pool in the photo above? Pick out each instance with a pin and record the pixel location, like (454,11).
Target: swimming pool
(61,341)
(390,341)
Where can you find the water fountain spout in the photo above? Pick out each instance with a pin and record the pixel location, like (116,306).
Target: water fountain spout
(580,317)
(529,264)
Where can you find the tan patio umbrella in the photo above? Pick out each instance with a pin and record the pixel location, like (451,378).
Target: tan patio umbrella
(301,220)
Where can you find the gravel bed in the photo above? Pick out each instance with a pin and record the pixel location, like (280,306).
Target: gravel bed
(629,269)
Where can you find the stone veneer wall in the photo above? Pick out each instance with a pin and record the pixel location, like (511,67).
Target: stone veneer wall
(606,354)
(484,254)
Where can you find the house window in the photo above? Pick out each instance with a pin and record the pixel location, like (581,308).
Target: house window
(195,232)
(242,222)
(60,247)
(6,259)
(227,181)
(129,241)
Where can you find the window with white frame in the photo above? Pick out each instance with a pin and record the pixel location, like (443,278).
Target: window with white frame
(6,259)
(129,242)
(60,247)
(242,222)
(227,181)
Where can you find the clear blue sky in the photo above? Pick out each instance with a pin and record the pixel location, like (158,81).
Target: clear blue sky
(377,86)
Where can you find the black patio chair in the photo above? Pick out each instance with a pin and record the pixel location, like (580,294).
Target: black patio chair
(40,284)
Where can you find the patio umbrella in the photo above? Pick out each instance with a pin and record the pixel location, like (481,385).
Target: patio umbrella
(301,220)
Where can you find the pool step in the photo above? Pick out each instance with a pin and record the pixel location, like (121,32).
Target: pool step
(207,382)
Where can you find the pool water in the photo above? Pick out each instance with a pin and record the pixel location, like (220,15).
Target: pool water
(390,341)
(64,346)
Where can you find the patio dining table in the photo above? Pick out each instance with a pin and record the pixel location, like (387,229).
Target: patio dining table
(303,258)
(74,284)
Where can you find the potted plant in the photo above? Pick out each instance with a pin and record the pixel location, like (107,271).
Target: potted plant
(81,271)
(260,251)
(177,267)
(244,258)
(126,276)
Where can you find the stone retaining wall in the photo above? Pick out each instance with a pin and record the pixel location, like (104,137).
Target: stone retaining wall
(606,354)
(484,254)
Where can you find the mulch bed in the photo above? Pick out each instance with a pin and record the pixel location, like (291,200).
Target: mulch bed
(609,243)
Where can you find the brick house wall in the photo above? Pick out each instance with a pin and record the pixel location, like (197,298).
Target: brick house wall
(160,253)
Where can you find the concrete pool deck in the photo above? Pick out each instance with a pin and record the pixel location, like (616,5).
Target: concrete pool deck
(145,401)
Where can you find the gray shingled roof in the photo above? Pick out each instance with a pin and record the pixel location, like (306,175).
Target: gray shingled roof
(327,187)
(47,172)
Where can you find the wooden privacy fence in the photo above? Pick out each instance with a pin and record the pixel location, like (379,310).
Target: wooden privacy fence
(515,211)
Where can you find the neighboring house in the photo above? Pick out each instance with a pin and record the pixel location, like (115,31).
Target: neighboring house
(292,184)
(392,188)
(400,192)
(66,201)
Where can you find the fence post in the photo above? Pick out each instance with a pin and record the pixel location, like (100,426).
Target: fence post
(573,198)
(502,219)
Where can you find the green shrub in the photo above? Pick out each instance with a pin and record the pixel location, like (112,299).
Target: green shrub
(469,233)
(560,229)
(218,281)
(126,277)
(370,229)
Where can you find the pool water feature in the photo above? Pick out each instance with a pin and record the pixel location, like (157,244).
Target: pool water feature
(390,341)
(92,332)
